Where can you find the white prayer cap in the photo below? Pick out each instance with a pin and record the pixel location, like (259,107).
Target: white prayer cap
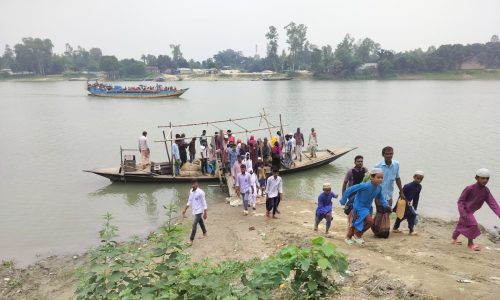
(327,185)
(250,170)
(376,171)
(420,173)
(483,172)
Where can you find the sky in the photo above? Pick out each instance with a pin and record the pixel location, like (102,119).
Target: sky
(127,28)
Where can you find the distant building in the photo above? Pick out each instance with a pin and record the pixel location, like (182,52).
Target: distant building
(184,71)
(229,72)
(367,66)
(152,69)
(472,63)
(213,71)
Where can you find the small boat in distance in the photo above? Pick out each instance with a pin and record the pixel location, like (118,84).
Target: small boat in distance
(116,91)
(276,78)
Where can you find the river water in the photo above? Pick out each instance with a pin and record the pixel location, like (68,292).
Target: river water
(51,131)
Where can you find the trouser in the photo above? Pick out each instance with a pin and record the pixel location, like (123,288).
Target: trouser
(145,158)
(204,166)
(328,217)
(198,219)
(353,231)
(177,164)
(272,204)
(191,157)
(350,218)
(278,202)
(313,150)
(244,197)
(410,216)
(298,151)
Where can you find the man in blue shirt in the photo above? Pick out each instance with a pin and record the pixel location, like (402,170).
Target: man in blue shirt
(363,200)
(390,168)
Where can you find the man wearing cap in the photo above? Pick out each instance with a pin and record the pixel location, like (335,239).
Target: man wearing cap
(230,137)
(363,200)
(471,200)
(324,209)
(244,187)
(412,195)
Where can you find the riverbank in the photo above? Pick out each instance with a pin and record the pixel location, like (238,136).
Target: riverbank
(454,75)
(426,266)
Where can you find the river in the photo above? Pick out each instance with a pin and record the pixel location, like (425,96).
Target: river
(51,131)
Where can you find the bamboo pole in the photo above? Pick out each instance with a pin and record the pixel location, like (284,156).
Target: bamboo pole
(267,122)
(171,144)
(166,147)
(209,136)
(212,122)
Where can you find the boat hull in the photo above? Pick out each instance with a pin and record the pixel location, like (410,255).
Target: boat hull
(137,94)
(114,174)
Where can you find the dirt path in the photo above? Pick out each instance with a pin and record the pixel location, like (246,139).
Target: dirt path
(426,266)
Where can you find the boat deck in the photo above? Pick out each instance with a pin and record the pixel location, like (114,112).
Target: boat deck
(193,171)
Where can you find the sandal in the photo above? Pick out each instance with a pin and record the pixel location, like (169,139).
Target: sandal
(396,231)
(413,233)
(474,247)
(456,242)
(359,241)
(348,241)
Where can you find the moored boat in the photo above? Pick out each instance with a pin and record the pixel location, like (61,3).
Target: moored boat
(276,78)
(163,172)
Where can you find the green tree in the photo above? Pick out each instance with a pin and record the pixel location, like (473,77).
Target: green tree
(95,55)
(177,58)
(317,66)
(366,50)
(110,65)
(33,55)
(9,58)
(272,48)
(229,58)
(296,40)
(132,67)
(345,62)
(164,62)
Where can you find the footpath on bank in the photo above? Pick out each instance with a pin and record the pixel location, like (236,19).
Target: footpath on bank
(426,266)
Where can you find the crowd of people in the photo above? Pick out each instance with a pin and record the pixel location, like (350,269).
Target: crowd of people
(255,166)
(141,87)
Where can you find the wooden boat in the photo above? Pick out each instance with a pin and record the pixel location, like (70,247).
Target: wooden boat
(118,174)
(129,171)
(276,78)
(119,92)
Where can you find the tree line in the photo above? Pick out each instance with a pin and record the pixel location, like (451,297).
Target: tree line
(346,60)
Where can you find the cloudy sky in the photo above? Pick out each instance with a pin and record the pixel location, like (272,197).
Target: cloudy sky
(130,28)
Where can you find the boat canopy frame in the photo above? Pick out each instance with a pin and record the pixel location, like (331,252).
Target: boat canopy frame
(263,116)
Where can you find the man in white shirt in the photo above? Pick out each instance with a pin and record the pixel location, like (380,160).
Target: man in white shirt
(198,207)
(294,144)
(244,188)
(274,192)
(204,158)
(144,149)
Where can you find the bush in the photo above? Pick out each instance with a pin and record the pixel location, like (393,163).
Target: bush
(161,269)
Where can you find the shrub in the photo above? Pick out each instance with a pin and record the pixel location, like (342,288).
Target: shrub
(161,269)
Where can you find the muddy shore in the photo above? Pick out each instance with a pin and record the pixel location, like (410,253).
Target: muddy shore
(426,266)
